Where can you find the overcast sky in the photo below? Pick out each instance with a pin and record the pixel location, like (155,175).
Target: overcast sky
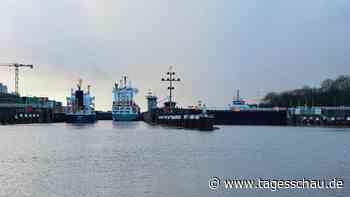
(215,46)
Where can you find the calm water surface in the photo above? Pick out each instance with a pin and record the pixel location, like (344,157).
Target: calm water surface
(135,159)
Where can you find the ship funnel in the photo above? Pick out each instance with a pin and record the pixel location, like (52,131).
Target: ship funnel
(80,82)
(125,80)
(149,93)
(88,87)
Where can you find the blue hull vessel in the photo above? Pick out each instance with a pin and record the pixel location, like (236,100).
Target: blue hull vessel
(125,117)
(75,118)
(80,106)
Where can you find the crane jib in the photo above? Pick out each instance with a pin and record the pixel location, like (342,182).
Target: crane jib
(17,66)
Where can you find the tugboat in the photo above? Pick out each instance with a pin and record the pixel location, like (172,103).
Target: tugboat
(124,108)
(80,106)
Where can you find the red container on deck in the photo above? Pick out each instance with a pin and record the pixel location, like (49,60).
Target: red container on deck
(29,109)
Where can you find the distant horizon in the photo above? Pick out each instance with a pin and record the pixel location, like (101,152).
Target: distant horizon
(164,99)
(255,46)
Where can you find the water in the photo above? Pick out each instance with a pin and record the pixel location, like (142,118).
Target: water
(135,159)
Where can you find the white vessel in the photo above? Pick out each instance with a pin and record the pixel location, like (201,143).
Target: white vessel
(124,108)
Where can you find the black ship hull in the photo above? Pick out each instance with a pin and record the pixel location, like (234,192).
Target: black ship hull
(227,117)
(75,118)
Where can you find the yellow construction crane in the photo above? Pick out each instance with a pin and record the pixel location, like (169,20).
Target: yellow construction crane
(17,66)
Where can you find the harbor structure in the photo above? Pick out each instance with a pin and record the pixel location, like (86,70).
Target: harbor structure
(80,106)
(319,116)
(16,110)
(124,108)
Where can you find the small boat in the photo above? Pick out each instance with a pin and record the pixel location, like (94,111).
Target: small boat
(80,106)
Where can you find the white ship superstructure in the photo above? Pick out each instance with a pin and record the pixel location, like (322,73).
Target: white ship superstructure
(238,104)
(124,108)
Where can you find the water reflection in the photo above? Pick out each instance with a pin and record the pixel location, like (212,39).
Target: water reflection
(125,124)
(80,126)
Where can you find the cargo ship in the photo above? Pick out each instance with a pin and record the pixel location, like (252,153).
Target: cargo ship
(124,107)
(80,106)
(240,113)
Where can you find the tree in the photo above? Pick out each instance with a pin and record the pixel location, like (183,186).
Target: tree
(342,82)
(331,93)
(327,84)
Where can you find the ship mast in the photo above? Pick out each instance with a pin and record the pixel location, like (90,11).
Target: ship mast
(80,82)
(170,78)
(125,82)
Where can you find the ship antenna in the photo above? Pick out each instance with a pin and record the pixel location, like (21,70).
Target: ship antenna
(80,82)
(238,95)
(116,85)
(121,83)
(89,86)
